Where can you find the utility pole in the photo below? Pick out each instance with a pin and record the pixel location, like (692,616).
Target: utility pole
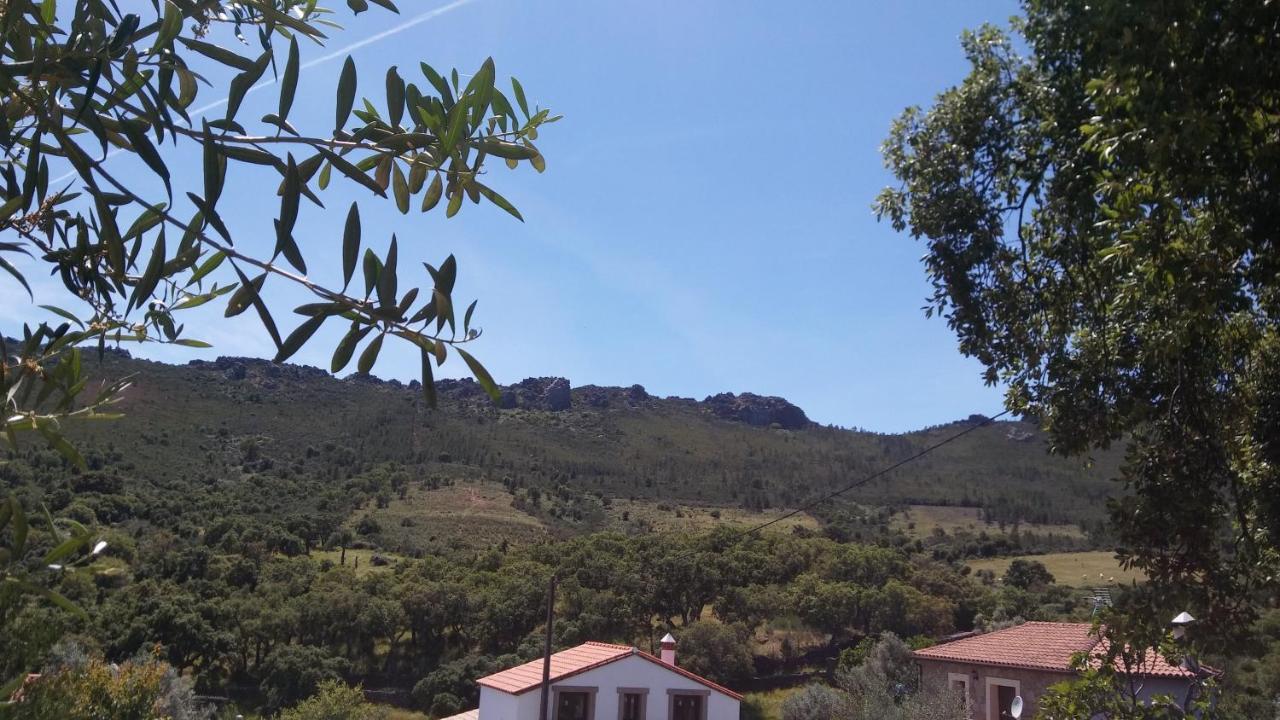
(546,650)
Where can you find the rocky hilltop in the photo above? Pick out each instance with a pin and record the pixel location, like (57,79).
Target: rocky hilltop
(545,394)
(757,410)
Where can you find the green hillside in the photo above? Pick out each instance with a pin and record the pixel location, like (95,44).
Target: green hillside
(317,455)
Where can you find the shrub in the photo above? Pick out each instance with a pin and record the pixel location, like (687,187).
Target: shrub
(446,704)
(135,690)
(335,700)
(816,702)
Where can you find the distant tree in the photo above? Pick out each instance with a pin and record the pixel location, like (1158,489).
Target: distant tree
(335,700)
(1027,575)
(1099,199)
(886,687)
(293,672)
(715,651)
(136,241)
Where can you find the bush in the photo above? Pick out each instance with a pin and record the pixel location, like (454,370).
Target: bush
(140,690)
(335,700)
(816,702)
(446,704)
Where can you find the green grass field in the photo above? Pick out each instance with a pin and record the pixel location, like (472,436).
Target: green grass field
(770,701)
(921,520)
(361,560)
(1080,569)
(476,516)
(629,514)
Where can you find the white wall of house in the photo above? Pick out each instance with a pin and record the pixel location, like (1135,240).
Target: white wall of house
(629,672)
(501,706)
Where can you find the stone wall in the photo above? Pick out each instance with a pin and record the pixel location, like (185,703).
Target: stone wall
(1032,684)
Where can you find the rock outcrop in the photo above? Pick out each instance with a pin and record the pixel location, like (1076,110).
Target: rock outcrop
(757,410)
(545,393)
(600,397)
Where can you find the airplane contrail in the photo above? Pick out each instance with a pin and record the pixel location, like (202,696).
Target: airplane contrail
(375,38)
(340,52)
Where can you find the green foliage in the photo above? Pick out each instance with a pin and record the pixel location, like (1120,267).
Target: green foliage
(133,690)
(293,672)
(1027,574)
(1101,237)
(63,548)
(884,685)
(716,651)
(445,704)
(335,700)
(816,702)
(137,249)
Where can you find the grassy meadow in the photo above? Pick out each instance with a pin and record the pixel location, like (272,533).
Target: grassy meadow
(1078,569)
(922,520)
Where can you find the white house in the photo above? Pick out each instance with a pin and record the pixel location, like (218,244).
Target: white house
(599,681)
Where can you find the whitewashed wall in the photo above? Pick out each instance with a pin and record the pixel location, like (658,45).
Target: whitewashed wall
(629,672)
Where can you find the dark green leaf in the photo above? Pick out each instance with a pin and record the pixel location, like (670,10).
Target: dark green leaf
(64,448)
(254,289)
(9,268)
(455,202)
(347,346)
(147,284)
(498,200)
(289,83)
(400,188)
(519,91)
(243,297)
(507,150)
(387,279)
(466,319)
(372,269)
(432,196)
(208,266)
(395,96)
(354,173)
(350,244)
(482,376)
(346,93)
(370,355)
(299,337)
(226,57)
(428,380)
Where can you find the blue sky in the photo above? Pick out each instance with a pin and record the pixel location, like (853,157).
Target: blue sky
(704,223)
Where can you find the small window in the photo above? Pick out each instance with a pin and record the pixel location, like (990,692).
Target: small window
(573,706)
(632,706)
(686,707)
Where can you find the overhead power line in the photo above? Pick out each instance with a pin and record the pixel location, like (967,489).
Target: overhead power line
(861,481)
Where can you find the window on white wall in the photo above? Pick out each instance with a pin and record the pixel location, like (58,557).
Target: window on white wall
(574,703)
(687,705)
(631,703)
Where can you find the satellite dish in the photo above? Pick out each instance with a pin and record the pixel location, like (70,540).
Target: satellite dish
(1015,707)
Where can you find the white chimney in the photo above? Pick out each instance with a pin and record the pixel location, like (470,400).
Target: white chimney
(668,644)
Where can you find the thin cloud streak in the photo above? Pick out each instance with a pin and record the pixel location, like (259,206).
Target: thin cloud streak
(375,38)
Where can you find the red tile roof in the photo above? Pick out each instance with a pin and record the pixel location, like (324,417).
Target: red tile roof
(575,660)
(1035,646)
